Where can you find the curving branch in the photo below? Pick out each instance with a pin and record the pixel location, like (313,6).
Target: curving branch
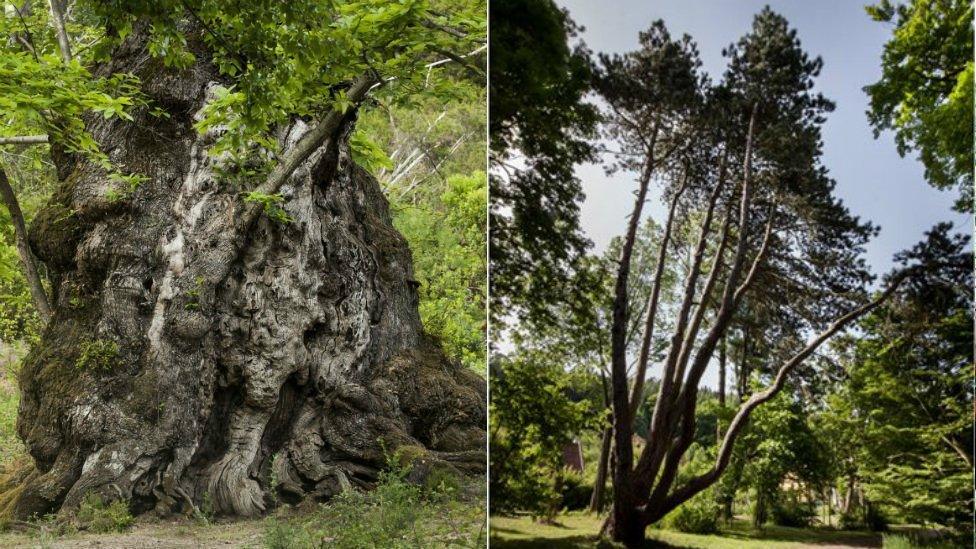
(700,482)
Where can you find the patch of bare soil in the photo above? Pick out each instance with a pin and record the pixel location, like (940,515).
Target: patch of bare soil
(156,535)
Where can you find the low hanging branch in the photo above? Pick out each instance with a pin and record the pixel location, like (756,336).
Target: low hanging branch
(23,249)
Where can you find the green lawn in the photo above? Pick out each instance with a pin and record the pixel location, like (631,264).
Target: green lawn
(579,530)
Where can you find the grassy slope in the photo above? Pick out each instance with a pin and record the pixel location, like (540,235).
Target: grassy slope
(579,530)
(182,533)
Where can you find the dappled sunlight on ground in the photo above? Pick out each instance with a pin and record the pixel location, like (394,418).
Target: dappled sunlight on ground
(576,530)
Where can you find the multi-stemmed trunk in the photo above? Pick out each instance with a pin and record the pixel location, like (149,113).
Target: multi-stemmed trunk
(645,492)
(201,351)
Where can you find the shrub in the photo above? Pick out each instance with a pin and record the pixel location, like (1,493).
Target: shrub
(403,510)
(699,515)
(793,513)
(11,448)
(95,516)
(441,484)
(874,519)
(869,518)
(385,517)
(850,521)
(284,535)
(893,541)
(575,492)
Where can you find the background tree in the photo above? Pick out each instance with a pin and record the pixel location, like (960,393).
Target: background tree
(779,448)
(910,392)
(429,156)
(533,417)
(925,94)
(539,128)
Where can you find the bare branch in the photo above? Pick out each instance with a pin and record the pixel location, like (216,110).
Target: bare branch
(756,262)
(460,60)
(456,33)
(23,140)
(27,259)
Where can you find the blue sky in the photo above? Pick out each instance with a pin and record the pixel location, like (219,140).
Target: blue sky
(872,179)
(874,182)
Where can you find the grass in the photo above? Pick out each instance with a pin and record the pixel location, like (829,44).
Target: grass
(915,541)
(578,530)
(396,515)
(180,532)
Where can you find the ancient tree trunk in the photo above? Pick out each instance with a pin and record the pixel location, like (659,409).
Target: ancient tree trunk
(195,356)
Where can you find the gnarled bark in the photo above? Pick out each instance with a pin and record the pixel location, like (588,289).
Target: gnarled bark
(198,352)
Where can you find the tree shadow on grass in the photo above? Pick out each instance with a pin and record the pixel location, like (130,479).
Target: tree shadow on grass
(572,542)
(808,536)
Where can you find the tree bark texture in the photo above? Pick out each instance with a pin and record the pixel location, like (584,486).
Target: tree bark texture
(195,356)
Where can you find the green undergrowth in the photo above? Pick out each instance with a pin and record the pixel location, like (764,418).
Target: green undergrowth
(442,512)
(98,355)
(907,541)
(94,515)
